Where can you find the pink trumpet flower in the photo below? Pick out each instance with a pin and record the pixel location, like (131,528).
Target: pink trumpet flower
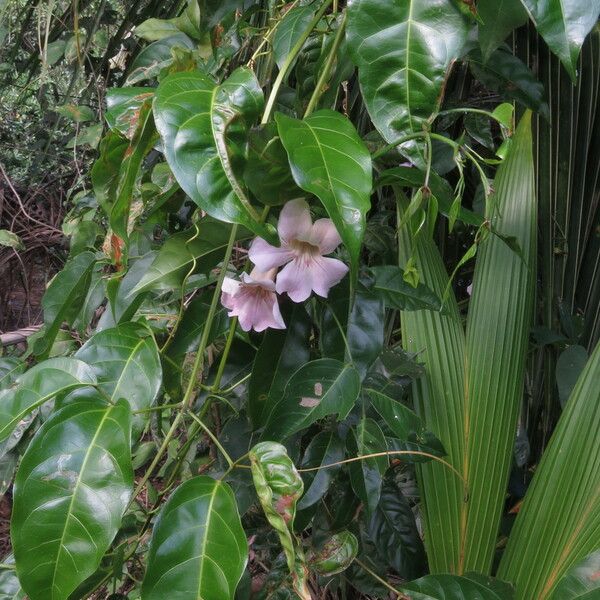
(253,300)
(303,246)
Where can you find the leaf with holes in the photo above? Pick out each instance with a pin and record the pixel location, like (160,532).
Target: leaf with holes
(70,493)
(317,389)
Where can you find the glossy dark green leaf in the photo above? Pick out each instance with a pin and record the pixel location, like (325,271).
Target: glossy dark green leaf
(581,581)
(105,170)
(122,303)
(126,364)
(203,128)
(329,160)
(10,587)
(405,425)
(497,19)
(267,172)
(403,49)
(155,57)
(280,354)
(152,30)
(393,530)
(142,140)
(64,297)
(325,448)
(185,253)
(336,555)
(353,334)
(289,31)
(123,106)
(10,368)
(71,490)
(38,385)
(470,586)
(564,25)
(569,365)
(366,475)
(198,549)
(389,284)
(317,389)
(509,76)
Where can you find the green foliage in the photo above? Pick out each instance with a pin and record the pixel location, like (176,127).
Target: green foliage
(364,436)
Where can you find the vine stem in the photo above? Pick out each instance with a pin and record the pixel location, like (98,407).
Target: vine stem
(291,57)
(320,87)
(213,437)
(383,582)
(196,369)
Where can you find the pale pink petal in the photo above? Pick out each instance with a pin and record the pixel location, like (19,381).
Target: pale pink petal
(325,236)
(294,221)
(266,257)
(295,279)
(259,311)
(265,279)
(230,286)
(325,273)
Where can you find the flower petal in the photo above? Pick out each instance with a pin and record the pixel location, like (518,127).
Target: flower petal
(266,257)
(325,273)
(230,286)
(295,222)
(325,236)
(295,279)
(259,311)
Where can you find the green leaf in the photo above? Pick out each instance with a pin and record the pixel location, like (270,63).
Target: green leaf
(498,325)
(39,384)
(55,51)
(498,19)
(564,24)
(11,240)
(404,424)
(267,172)
(290,30)
(569,366)
(471,586)
(10,368)
(580,582)
(317,389)
(105,170)
(324,449)
(366,475)
(393,531)
(122,303)
(203,128)
(185,253)
(280,354)
(142,141)
(198,548)
(508,75)
(156,56)
(396,293)
(126,364)
(64,298)
(353,333)
(557,524)
(403,50)
(329,160)
(336,555)
(152,30)
(71,491)
(123,105)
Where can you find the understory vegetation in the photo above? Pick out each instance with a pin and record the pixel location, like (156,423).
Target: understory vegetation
(299,299)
